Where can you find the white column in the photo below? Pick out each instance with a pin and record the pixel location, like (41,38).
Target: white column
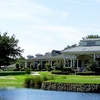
(25,64)
(94,57)
(41,64)
(71,63)
(73,60)
(68,63)
(51,63)
(77,63)
(64,60)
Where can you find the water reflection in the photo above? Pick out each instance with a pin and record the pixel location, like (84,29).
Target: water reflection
(32,94)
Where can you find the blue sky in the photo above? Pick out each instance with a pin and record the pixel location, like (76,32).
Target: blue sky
(45,25)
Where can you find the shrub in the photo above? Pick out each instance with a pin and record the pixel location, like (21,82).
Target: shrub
(5,73)
(97,69)
(28,71)
(48,67)
(87,73)
(61,72)
(91,65)
(37,69)
(59,65)
(35,82)
(22,69)
(43,69)
(27,82)
(17,67)
(68,69)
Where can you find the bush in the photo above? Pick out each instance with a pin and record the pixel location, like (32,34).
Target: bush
(48,67)
(17,67)
(37,69)
(5,73)
(22,69)
(68,69)
(61,72)
(27,82)
(59,65)
(87,73)
(35,82)
(43,69)
(97,69)
(28,71)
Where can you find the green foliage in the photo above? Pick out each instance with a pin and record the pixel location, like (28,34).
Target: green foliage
(60,72)
(9,49)
(48,66)
(28,71)
(91,36)
(36,81)
(39,67)
(91,65)
(17,67)
(68,69)
(6,73)
(87,73)
(71,46)
(43,69)
(59,65)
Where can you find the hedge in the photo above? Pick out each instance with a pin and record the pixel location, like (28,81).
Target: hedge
(60,72)
(5,73)
(87,73)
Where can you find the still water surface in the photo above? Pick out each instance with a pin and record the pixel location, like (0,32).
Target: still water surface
(33,94)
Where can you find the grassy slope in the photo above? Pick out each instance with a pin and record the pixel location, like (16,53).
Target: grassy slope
(18,80)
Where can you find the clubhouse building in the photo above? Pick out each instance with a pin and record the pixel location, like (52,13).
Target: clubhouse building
(79,56)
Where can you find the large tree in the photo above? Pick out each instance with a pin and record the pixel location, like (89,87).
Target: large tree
(9,49)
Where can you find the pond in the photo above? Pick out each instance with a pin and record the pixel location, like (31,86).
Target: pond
(34,94)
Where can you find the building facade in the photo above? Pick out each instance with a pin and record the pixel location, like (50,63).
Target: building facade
(79,56)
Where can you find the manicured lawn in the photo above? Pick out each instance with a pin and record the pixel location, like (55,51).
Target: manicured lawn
(12,81)
(77,79)
(74,78)
(18,80)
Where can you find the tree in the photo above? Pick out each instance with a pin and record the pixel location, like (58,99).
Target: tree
(91,36)
(73,45)
(91,65)
(9,49)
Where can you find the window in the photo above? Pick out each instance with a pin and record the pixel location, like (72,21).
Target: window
(91,43)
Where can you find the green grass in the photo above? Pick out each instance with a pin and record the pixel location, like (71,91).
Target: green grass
(77,79)
(18,80)
(12,81)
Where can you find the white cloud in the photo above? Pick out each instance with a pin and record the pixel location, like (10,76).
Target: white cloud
(22,10)
(61,32)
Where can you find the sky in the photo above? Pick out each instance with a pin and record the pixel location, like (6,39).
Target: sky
(45,25)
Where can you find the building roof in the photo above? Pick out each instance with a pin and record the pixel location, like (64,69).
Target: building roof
(91,39)
(83,49)
(61,56)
